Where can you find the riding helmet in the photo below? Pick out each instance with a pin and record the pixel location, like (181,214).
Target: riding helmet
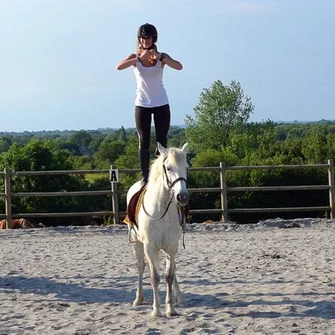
(147,29)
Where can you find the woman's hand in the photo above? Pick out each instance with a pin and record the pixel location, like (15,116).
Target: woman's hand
(145,55)
(155,55)
(150,56)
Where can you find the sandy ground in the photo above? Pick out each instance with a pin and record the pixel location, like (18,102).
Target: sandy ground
(274,277)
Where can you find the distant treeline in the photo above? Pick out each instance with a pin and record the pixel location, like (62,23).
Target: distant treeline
(251,144)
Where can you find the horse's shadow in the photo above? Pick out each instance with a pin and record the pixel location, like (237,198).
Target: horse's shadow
(124,288)
(190,299)
(74,292)
(318,309)
(71,292)
(323,309)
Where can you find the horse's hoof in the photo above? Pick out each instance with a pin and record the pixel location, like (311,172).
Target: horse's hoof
(171,312)
(137,302)
(156,314)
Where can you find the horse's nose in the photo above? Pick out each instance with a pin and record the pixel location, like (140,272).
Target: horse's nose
(182,198)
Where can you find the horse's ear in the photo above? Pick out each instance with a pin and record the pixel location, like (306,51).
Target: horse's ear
(163,151)
(185,148)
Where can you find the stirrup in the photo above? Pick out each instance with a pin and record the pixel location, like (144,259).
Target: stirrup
(132,227)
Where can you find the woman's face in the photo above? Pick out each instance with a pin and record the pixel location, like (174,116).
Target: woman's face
(146,42)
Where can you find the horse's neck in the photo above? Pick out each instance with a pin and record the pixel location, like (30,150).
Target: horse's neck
(156,195)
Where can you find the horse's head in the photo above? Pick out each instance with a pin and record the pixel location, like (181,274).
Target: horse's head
(173,171)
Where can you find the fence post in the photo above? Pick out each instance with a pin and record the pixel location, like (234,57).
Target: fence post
(332,188)
(8,200)
(223,187)
(115,201)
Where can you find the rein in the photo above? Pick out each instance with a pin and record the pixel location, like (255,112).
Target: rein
(181,209)
(181,213)
(160,217)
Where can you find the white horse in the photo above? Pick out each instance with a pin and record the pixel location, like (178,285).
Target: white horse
(160,221)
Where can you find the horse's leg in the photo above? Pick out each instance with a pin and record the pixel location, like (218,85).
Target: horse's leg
(178,298)
(139,252)
(152,255)
(170,279)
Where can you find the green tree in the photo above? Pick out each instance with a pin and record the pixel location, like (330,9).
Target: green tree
(5,143)
(83,140)
(39,155)
(109,152)
(220,108)
(176,137)
(122,135)
(315,145)
(129,160)
(97,139)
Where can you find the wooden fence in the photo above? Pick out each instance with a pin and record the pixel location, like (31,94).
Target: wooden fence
(114,192)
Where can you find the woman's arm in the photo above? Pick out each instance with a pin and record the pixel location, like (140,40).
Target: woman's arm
(129,61)
(166,59)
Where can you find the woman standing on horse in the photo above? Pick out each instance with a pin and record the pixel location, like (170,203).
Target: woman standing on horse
(151,98)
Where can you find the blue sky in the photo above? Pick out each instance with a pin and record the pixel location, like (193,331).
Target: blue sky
(58,58)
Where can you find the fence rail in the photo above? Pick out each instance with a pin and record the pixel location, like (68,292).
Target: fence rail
(223,190)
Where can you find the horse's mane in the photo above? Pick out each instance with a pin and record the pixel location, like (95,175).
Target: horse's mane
(175,157)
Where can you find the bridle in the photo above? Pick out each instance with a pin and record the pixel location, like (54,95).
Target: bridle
(170,185)
(168,182)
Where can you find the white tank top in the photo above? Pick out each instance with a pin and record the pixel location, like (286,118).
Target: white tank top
(150,90)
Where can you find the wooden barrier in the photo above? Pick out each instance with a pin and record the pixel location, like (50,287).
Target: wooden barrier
(222,189)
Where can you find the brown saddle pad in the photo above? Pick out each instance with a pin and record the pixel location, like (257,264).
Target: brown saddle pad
(133,207)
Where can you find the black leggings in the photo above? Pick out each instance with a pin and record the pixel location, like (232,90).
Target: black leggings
(143,124)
